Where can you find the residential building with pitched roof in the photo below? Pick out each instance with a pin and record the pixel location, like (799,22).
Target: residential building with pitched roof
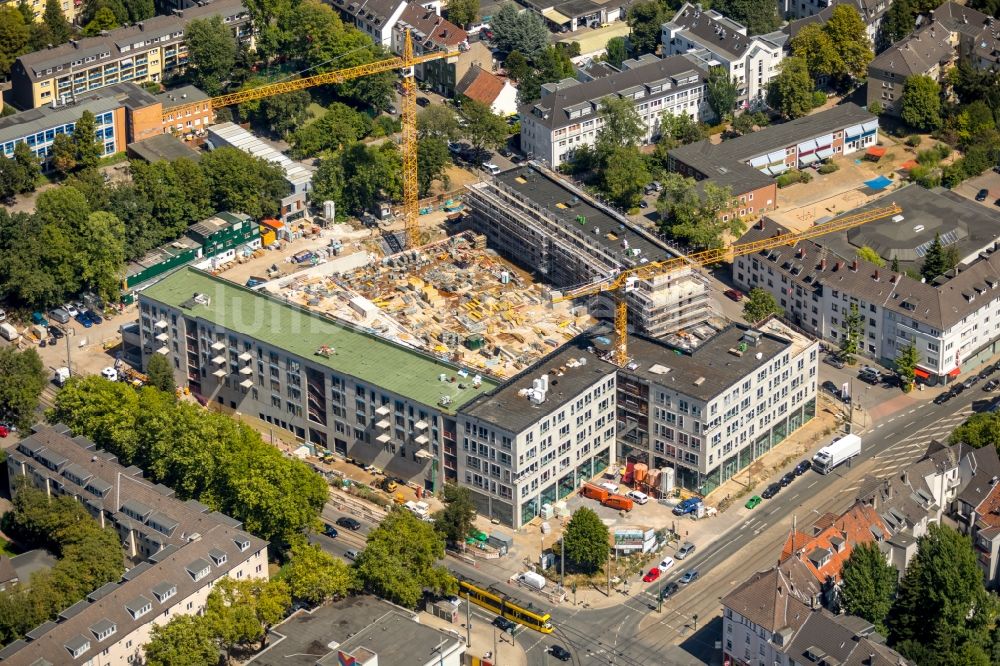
(930,51)
(430,32)
(568,116)
(751,61)
(805,12)
(378,18)
(497,92)
(175,552)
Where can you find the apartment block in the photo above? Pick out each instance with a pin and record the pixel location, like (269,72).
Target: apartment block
(378,18)
(151,50)
(534,440)
(320,380)
(549,226)
(70,8)
(176,551)
(568,115)
(708,412)
(977,506)
(952,320)
(429,32)
(185,110)
(927,52)
(718,41)
(801,13)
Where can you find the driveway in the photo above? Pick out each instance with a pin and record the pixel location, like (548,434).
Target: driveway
(987,181)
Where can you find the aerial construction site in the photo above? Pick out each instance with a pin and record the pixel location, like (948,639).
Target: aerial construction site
(454,298)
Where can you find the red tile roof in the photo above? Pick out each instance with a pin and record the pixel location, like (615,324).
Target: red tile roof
(826,553)
(988,510)
(480,85)
(432,28)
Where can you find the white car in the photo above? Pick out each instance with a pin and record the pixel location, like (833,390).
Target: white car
(637,497)
(71,309)
(610,487)
(666,564)
(110,374)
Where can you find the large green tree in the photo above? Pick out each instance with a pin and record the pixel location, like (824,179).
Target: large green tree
(790,93)
(623,175)
(942,614)
(63,154)
(938,259)
(242,183)
(160,374)
(88,149)
(759,16)
(813,44)
(693,212)
(868,584)
(906,364)
(721,92)
(517,30)
(616,51)
(979,430)
(184,641)
(623,126)
(849,37)
(22,378)
(212,52)
(340,126)
(586,540)
(15,35)
(438,121)
(483,129)
(432,160)
(58,27)
(760,305)
(315,576)
(463,12)
(921,103)
(851,329)
(400,560)
(239,613)
(455,520)
(646,19)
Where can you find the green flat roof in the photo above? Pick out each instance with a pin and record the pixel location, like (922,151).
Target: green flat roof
(364,356)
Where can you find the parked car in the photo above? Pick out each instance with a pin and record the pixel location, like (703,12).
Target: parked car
(665,564)
(734,294)
(753,502)
(803,467)
(787,479)
(423,101)
(516,159)
(4,430)
(771,491)
(84,320)
(651,575)
(834,360)
(869,378)
(506,152)
(686,549)
(687,506)
(982,195)
(71,309)
(350,523)
(991,385)
(110,374)
(560,653)
(637,497)
(94,317)
(503,624)
(643,204)
(689,576)
(56,332)
(38,319)
(830,388)
(329,530)
(942,398)
(351,554)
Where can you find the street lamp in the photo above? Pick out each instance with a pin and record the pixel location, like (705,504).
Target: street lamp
(695,618)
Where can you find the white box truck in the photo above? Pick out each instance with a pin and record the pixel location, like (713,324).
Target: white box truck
(837,452)
(9,331)
(532,579)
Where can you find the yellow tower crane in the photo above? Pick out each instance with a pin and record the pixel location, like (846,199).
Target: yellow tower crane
(621,283)
(406,63)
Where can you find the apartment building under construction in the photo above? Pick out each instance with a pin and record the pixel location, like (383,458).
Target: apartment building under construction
(556,230)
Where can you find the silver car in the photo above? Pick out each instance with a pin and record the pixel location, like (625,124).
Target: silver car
(686,549)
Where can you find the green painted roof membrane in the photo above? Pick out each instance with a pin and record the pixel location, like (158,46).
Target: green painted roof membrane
(362,355)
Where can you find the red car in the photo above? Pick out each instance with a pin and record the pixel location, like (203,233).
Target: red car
(4,431)
(734,294)
(651,575)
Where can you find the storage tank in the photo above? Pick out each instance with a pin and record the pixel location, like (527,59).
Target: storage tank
(640,472)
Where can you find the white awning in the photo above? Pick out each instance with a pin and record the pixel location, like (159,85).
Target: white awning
(421,439)
(807,146)
(382,439)
(824,141)
(219,373)
(776,156)
(160,323)
(162,337)
(870,126)
(382,425)
(218,345)
(806,160)
(420,425)
(383,410)
(246,370)
(556,17)
(246,383)
(245,356)
(219,360)
(853,131)
(777,169)
(758,161)
(163,351)
(825,153)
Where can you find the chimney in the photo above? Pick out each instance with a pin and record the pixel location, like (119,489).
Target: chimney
(802,252)
(837,266)
(904,477)
(875,277)
(760,225)
(822,264)
(854,266)
(894,279)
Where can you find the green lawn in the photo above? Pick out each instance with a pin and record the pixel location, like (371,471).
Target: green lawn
(315,111)
(6,548)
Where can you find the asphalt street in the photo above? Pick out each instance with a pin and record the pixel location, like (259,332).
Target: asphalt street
(633,633)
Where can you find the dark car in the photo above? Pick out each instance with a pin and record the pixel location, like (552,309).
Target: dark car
(350,523)
(329,530)
(942,398)
(516,159)
(669,590)
(803,467)
(84,320)
(734,294)
(423,101)
(869,378)
(831,388)
(831,359)
(787,479)
(560,653)
(503,624)
(689,577)
(93,316)
(971,381)
(988,386)
(982,195)
(771,491)
(506,152)
(56,332)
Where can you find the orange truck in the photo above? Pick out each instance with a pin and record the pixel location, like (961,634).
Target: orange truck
(619,502)
(595,492)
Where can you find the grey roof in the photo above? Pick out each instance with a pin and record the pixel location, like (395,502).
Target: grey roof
(398,640)
(170,26)
(553,109)
(216,223)
(44,118)
(707,157)
(32,561)
(711,30)
(163,148)
(305,636)
(708,370)
(919,53)
(138,603)
(596,70)
(962,19)
(566,205)
(504,407)
(838,640)
(376,12)
(941,306)
(776,599)
(180,96)
(985,464)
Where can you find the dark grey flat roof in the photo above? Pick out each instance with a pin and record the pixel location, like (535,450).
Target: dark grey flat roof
(707,371)
(506,408)
(566,205)
(398,641)
(163,147)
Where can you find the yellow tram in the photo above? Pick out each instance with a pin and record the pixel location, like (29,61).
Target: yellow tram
(499,604)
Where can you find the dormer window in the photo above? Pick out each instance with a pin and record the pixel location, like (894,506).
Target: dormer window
(164,591)
(139,607)
(198,569)
(77,646)
(242,543)
(218,556)
(104,629)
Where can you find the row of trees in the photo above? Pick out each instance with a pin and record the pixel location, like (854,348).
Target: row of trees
(22,378)
(939,613)
(89,556)
(19,173)
(202,455)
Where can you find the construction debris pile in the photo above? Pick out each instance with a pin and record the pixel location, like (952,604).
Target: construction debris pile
(455,299)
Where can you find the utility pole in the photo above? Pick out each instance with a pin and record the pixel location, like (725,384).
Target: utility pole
(468,623)
(608,566)
(562,561)
(69,361)
(659,597)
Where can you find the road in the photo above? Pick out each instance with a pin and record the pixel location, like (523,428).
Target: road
(633,633)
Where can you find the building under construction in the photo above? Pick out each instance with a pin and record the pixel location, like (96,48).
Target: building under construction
(552,228)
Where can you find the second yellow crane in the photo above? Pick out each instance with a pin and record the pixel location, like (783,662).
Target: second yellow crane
(406,63)
(619,283)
